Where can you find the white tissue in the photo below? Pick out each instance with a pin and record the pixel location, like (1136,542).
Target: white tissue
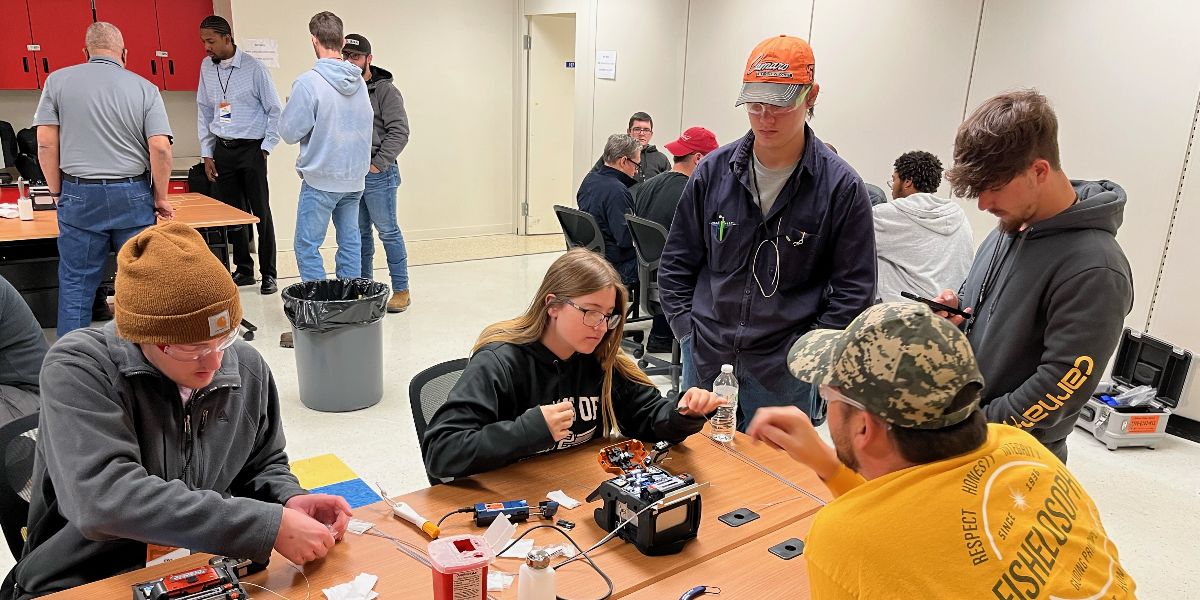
(9,211)
(499,581)
(359,589)
(562,499)
(359,527)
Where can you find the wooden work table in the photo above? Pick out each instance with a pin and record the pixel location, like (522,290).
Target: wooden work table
(197,210)
(720,556)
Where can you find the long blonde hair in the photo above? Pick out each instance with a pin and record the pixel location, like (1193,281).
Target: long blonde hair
(579,272)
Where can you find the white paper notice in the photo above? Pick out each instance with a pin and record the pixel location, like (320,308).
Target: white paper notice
(606,64)
(266,50)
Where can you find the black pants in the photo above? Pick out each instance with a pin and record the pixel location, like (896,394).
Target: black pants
(242,183)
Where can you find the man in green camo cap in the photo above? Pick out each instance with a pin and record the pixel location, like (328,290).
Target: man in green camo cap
(930,500)
(896,366)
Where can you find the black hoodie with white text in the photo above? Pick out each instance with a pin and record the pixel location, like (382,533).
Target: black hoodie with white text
(493,416)
(1049,303)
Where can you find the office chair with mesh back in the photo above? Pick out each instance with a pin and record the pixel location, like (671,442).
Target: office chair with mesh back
(18,441)
(427,392)
(649,239)
(582,231)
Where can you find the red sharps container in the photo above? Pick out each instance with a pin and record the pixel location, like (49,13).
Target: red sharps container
(460,566)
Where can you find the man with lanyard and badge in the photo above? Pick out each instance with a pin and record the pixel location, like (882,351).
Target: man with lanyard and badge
(772,238)
(238,120)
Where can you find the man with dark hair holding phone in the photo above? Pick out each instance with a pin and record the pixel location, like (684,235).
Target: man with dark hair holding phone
(237,113)
(1050,286)
(930,500)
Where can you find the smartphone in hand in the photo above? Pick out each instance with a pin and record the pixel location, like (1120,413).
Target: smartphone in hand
(936,306)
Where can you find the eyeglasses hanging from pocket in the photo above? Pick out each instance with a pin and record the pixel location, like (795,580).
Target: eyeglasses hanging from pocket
(795,237)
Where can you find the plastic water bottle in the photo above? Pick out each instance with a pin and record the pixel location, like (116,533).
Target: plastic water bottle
(724,423)
(536,580)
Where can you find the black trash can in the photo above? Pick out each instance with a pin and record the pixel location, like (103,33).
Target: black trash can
(338,341)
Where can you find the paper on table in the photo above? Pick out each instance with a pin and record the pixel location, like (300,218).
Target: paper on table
(520,549)
(563,499)
(359,589)
(498,581)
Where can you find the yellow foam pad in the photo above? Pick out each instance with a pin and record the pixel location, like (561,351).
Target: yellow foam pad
(320,471)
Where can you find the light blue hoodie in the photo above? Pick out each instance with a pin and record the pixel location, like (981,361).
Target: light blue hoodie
(329,113)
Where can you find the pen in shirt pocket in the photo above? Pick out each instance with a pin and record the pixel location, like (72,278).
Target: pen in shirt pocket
(722,227)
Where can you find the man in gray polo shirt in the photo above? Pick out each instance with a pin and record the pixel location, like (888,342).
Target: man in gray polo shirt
(103,136)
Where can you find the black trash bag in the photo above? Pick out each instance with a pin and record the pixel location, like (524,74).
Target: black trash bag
(324,306)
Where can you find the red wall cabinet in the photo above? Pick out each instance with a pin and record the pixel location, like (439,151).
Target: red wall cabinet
(179,35)
(162,38)
(18,67)
(40,37)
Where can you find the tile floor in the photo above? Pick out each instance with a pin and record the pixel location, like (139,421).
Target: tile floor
(1148,497)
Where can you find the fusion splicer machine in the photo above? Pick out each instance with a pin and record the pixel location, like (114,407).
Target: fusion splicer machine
(217,581)
(667,507)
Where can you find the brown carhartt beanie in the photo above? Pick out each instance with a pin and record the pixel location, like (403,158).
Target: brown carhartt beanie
(171,289)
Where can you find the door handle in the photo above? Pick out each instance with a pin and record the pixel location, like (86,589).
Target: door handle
(45,65)
(153,67)
(25,63)
(171,67)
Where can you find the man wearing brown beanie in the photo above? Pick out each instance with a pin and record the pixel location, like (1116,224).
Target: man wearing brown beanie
(161,432)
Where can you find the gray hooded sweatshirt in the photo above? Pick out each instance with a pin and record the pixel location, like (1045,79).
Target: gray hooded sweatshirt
(122,461)
(924,245)
(1050,303)
(329,114)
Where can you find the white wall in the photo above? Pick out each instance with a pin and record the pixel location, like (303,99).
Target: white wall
(893,78)
(455,63)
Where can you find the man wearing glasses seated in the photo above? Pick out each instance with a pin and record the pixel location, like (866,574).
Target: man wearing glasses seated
(160,433)
(772,238)
(605,195)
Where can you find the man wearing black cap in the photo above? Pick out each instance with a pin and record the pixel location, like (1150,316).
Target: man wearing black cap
(388,139)
(237,112)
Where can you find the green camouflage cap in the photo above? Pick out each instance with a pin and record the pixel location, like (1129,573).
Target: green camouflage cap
(899,360)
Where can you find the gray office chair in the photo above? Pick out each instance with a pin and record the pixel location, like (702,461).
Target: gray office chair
(427,392)
(649,239)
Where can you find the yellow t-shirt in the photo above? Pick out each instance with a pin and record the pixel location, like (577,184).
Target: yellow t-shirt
(1005,522)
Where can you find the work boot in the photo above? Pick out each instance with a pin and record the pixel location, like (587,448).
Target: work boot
(286,341)
(659,345)
(399,302)
(243,279)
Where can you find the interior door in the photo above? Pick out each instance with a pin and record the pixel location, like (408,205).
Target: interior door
(550,118)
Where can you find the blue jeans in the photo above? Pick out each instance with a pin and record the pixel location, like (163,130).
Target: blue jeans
(379,209)
(93,220)
(312,221)
(752,394)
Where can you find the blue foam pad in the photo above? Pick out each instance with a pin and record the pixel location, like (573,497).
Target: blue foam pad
(356,492)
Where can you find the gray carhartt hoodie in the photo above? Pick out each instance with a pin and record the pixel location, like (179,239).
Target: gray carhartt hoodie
(1050,303)
(924,245)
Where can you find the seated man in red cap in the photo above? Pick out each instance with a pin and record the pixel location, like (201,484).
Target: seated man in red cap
(160,432)
(657,198)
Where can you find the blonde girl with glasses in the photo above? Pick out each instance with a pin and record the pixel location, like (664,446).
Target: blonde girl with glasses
(555,377)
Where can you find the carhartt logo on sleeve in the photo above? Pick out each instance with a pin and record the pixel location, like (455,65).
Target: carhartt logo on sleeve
(1071,381)
(218,323)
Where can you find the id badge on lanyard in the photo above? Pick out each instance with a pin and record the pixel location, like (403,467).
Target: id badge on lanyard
(225,112)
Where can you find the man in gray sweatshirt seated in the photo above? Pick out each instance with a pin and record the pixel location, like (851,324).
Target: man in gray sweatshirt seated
(160,433)
(923,242)
(22,348)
